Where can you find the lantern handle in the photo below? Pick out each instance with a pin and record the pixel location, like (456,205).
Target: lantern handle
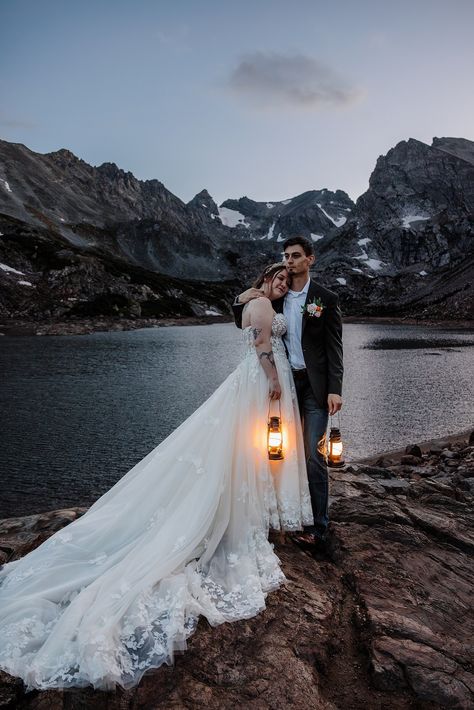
(269,407)
(338,414)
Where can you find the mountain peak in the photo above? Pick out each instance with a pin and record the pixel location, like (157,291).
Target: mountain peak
(203,199)
(112,169)
(461,148)
(63,155)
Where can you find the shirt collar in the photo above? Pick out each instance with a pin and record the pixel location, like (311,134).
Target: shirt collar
(304,290)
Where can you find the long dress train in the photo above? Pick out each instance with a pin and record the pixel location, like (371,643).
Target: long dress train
(182,534)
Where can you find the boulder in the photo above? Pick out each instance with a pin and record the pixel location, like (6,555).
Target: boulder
(377,471)
(414,450)
(410,460)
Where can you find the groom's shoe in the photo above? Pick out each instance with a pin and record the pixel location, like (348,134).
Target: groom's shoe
(307,539)
(310,543)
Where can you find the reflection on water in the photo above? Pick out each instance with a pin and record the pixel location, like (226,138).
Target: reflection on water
(77,412)
(420,343)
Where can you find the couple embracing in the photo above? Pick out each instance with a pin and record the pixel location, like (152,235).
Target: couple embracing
(184,533)
(313,343)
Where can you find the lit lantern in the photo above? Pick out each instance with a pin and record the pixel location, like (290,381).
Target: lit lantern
(275,438)
(335,459)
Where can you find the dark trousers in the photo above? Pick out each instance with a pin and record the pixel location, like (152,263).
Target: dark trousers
(314,421)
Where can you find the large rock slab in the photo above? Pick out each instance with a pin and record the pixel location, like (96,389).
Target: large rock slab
(380,618)
(409,558)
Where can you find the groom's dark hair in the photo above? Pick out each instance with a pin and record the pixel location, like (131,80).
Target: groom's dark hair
(299,241)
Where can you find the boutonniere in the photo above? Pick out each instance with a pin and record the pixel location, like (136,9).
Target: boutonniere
(314,309)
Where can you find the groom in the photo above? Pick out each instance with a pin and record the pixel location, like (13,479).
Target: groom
(314,346)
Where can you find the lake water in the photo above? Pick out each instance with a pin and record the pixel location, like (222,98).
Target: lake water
(77,412)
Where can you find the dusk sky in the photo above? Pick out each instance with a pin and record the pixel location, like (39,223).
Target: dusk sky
(264,98)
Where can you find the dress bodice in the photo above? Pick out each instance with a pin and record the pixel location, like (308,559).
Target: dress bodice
(278,331)
(279,325)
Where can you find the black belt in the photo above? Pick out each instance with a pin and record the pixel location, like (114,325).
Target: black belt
(299,374)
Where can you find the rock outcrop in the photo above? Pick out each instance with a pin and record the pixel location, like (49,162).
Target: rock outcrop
(314,214)
(380,618)
(66,190)
(45,278)
(419,208)
(108,209)
(409,247)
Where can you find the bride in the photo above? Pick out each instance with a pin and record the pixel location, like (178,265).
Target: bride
(183,534)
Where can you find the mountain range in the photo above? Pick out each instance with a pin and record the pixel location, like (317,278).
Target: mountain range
(80,240)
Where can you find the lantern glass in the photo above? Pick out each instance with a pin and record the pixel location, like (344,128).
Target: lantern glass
(335,448)
(275,439)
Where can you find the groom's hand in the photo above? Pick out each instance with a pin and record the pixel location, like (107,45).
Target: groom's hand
(249,295)
(334,403)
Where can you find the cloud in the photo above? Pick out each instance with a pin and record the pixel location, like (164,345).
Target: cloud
(176,39)
(268,80)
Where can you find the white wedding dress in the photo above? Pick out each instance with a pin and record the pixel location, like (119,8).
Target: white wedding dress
(183,534)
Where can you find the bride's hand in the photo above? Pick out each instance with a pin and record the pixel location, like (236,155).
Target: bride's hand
(275,389)
(249,295)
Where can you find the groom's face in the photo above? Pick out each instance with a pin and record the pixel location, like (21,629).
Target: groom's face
(296,260)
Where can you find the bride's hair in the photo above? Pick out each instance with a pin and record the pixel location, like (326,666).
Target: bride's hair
(270,272)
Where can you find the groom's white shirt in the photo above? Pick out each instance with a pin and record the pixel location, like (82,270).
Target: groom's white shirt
(294,300)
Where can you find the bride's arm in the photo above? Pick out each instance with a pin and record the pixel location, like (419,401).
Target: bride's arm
(241,300)
(261,317)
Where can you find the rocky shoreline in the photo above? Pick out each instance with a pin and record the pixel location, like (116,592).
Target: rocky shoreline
(85,326)
(381,618)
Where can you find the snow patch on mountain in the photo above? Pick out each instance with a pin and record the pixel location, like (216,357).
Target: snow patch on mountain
(374,264)
(341,280)
(7,186)
(232,218)
(10,269)
(407,221)
(338,221)
(364,242)
(316,237)
(270,231)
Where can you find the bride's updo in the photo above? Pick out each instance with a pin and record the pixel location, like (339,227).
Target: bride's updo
(269,273)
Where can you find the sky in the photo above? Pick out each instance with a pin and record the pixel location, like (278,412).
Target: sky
(264,98)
